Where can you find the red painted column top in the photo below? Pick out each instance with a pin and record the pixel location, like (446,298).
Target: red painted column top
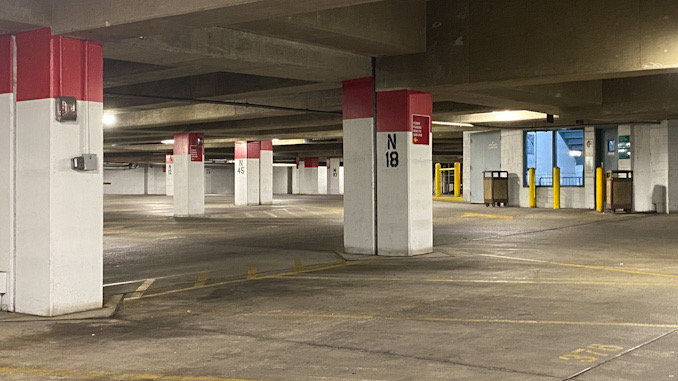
(395,109)
(311,162)
(358,98)
(51,66)
(267,145)
(247,150)
(190,144)
(6,64)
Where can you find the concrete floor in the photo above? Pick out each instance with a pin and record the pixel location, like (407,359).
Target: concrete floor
(509,294)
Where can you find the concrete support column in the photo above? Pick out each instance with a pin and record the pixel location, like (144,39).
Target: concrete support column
(309,183)
(169,175)
(189,175)
(359,182)
(247,156)
(266,173)
(404,202)
(333,176)
(7,172)
(59,211)
(296,178)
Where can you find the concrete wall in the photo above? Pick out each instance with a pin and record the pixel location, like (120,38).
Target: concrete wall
(653,161)
(281,180)
(155,179)
(141,180)
(218,180)
(652,166)
(124,181)
(512,157)
(222,180)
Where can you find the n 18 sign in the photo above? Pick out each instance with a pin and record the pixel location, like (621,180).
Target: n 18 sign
(392,156)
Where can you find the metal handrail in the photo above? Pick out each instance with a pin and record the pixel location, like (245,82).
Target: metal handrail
(564,181)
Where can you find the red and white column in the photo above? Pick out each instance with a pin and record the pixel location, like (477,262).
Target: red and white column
(404,203)
(333,176)
(189,174)
(247,156)
(309,182)
(266,173)
(58,264)
(7,162)
(169,175)
(359,182)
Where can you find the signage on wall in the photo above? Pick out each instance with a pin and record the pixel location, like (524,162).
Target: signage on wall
(421,129)
(196,152)
(624,148)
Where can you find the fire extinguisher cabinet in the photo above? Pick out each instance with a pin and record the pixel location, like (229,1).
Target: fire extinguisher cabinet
(495,187)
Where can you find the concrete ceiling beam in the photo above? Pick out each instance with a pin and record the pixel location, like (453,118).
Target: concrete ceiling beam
(207,112)
(484,44)
(633,99)
(117,19)
(376,29)
(241,52)
(19,16)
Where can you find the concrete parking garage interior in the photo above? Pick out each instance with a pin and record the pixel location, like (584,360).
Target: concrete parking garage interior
(161,263)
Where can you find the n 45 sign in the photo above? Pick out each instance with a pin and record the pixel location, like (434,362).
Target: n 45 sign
(392,156)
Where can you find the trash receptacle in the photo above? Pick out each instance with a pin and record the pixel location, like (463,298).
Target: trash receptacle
(495,186)
(619,190)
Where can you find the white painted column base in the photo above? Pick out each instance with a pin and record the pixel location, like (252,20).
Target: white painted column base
(265,177)
(333,176)
(359,206)
(189,187)
(246,182)
(59,211)
(7,155)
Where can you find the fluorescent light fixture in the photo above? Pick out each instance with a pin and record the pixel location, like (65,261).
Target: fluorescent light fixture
(453,124)
(472,120)
(168,141)
(575,153)
(507,116)
(109,119)
(287,142)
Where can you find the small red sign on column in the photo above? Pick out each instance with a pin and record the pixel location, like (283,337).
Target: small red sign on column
(421,129)
(196,152)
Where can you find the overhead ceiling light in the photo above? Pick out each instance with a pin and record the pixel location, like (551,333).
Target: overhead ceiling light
(288,142)
(503,116)
(108,119)
(453,124)
(575,153)
(168,141)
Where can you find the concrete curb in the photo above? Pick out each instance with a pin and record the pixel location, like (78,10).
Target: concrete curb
(109,309)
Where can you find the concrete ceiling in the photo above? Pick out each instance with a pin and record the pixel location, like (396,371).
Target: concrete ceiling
(264,69)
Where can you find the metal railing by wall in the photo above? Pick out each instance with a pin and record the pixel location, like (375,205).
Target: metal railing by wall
(564,182)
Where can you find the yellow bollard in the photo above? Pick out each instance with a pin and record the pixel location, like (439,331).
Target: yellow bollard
(600,189)
(457,179)
(556,188)
(533,189)
(439,176)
